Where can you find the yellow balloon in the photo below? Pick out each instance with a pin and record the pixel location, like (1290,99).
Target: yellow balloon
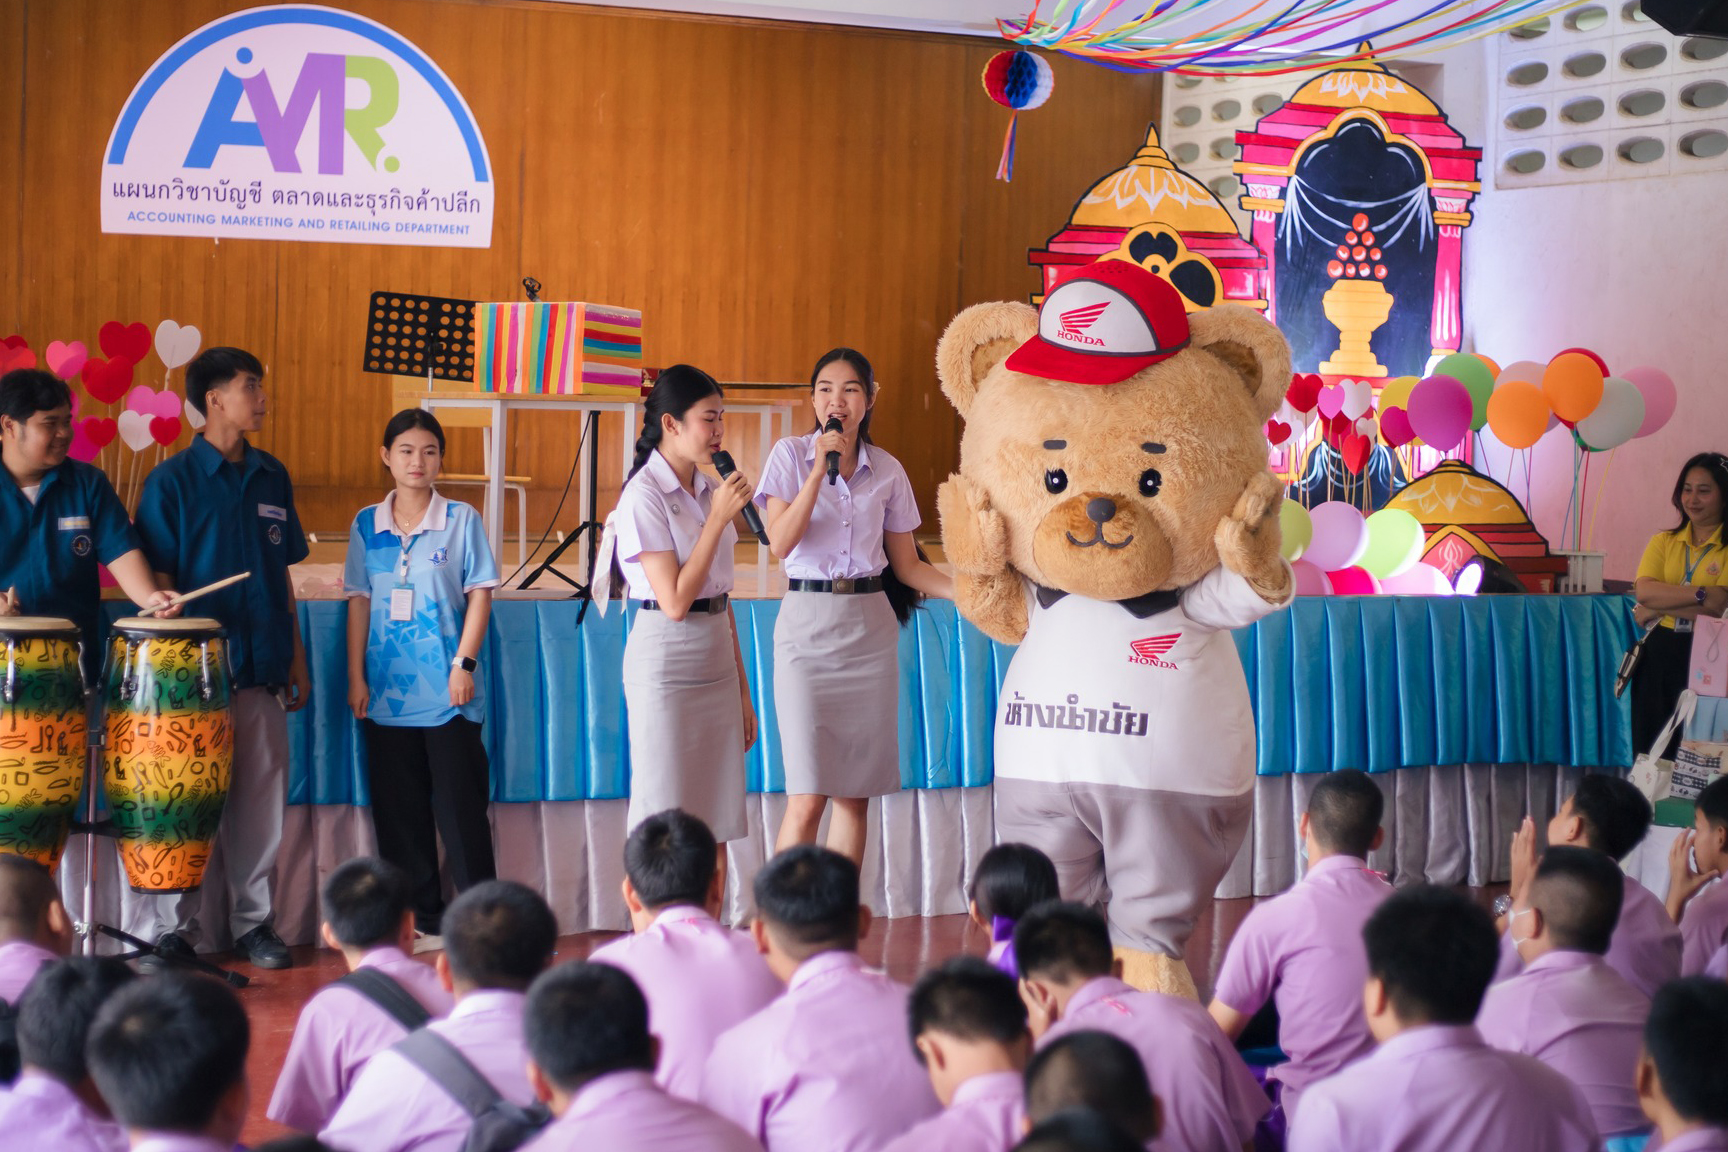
(1396,392)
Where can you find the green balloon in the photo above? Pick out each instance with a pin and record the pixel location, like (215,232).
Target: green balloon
(1395,540)
(1477,380)
(1298,530)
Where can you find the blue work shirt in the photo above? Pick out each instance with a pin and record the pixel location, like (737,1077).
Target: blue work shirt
(49,551)
(408,661)
(203,519)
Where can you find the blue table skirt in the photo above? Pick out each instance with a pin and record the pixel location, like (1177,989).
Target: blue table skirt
(1368,682)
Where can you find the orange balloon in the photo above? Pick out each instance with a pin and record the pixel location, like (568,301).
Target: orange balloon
(1518,413)
(1493,368)
(1572,382)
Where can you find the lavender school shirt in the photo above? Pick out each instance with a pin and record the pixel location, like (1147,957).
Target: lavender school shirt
(1577,1015)
(1645,948)
(1304,951)
(844,539)
(53,1117)
(700,978)
(1703,928)
(628,1112)
(984,1116)
(19,961)
(338,1031)
(1211,1101)
(1439,1088)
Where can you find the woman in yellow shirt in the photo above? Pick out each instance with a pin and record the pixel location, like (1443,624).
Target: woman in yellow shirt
(1684,575)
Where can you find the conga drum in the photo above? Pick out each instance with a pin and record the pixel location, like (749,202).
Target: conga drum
(43,737)
(166,686)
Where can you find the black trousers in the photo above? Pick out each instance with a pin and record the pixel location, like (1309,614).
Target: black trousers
(1656,686)
(426,778)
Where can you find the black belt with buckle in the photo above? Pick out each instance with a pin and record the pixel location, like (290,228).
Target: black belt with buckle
(708,605)
(847,587)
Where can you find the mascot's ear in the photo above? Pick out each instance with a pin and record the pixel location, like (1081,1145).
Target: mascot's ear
(1250,346)
(976,341)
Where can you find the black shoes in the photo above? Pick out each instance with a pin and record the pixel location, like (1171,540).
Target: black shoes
(169,944)
(263,948)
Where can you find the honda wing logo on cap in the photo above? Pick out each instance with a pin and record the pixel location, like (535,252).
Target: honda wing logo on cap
(1075,321)
(1152,650)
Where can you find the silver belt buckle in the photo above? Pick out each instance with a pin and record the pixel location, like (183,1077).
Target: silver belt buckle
(844,587)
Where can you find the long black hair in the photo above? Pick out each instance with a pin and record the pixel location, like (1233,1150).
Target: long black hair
(676,390)
(902,598)
(1712,462)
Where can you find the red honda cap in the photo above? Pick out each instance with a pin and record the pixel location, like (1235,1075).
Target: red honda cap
(1103,324)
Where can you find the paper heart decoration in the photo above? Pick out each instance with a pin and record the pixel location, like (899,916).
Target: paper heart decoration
(135,430)
(1395,428)
(1355,452)
(129,340)
(83,448)
(193,416)
(165,404)
(165,429)
(99,430)
(1330,401)
(1335,428)
(15,341)
(1304,391)
(107,380)
(64,360)
(1277,432)
(176,344)
(1366,425)
(1358,397)
(14,356)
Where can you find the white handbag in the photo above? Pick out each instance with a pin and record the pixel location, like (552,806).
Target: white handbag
(1651,773)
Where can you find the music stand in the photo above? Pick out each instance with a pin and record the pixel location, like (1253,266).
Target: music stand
(88,928)
(409,334)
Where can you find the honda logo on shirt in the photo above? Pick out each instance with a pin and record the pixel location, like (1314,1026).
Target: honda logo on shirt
(1152,650)
(1075,321)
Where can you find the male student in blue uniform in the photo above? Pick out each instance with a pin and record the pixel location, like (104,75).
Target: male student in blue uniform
(217,509)
(59,517)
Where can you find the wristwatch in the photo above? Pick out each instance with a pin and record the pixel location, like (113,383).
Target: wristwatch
(466,663)
(1699,595)
(1502,904)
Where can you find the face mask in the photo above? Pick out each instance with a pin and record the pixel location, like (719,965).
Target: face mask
(1512,926)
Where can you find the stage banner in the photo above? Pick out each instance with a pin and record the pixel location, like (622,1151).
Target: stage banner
(296,122)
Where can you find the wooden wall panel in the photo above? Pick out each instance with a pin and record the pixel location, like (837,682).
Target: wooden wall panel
(761,191)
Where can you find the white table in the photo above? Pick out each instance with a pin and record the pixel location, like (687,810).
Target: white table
(768,413)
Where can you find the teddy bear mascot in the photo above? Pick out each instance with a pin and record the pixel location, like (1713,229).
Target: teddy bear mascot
(1114,516)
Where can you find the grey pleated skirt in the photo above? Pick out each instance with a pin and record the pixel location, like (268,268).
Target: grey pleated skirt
(837,694)
(686,719)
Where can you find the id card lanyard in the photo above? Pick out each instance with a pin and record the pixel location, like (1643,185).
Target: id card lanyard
(402,595)
(1691,565)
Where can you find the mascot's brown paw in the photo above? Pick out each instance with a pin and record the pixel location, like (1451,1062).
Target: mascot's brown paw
(1156,972)
(1250,538)
(974,535)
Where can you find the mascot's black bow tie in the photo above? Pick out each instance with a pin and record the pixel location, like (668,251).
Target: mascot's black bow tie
(1139,607)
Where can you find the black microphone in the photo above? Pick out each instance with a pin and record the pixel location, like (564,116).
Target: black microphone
(722,461)
(835,424)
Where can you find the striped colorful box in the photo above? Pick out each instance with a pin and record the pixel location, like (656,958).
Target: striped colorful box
(557,349)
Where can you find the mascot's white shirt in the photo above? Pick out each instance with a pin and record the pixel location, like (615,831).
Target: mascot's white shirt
(1097,695)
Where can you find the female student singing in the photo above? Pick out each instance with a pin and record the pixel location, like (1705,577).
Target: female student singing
(684,686)
(836,664)
(419,580)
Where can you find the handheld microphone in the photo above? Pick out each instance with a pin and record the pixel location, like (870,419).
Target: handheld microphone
(835,424)
(722,461)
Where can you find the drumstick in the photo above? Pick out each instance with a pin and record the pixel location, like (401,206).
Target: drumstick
(204,591)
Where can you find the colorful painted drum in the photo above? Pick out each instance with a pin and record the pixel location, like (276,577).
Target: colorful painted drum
(43,738)
(170,747)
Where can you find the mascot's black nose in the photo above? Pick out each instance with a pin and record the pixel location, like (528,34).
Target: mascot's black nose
(1100,509)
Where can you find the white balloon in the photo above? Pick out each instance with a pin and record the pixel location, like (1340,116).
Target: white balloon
(1617,417)
(176,345)
(135,430)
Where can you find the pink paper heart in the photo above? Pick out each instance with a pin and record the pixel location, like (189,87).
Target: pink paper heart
(165,404)
(1331,401)
(1395,428)
(64,360)
(83,448)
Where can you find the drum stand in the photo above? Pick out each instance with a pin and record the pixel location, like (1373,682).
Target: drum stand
(88,928)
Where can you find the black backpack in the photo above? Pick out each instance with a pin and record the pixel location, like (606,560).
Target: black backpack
(10,1061)
(499,1125)
(387,993)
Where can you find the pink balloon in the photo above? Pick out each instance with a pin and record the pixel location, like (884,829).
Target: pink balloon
(1310,581)
(1340,536)
(1440,411)
(1659,395)
(1353,582)
(1421,580)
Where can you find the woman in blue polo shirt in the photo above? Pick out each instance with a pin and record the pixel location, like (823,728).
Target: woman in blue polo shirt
(419,580)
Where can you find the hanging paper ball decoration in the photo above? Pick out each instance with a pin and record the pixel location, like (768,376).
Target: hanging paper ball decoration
(1020,81)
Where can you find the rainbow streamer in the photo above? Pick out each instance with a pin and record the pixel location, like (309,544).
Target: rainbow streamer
(1269,37)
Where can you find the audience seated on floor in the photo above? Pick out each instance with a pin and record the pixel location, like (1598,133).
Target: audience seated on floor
(1009,881)
(1092,1070)
(1697,898)
(54,1101)
(1683,1072)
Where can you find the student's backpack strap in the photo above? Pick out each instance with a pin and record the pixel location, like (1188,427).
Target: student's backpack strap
(387,993)
(9,1060)
(499,1125)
